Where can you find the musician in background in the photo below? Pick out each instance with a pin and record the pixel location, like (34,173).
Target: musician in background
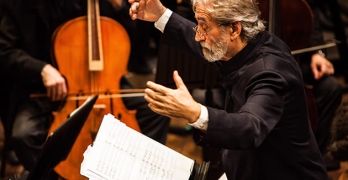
(25,45)
(319,73)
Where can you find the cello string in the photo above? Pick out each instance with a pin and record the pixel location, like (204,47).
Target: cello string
(93,93)
(102,96)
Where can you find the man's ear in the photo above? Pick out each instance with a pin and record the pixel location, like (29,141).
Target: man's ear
(236,29)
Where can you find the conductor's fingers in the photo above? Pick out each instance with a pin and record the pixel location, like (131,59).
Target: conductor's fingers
(133,10)
(178,81)
(157,87)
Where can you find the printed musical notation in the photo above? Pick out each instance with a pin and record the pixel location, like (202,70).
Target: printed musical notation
(121,153)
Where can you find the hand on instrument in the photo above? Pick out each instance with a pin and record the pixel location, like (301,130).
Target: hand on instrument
(321,66)
(54,82)
(147,10)
(174,103)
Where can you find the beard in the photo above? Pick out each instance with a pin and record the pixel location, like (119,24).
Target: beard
(216,51)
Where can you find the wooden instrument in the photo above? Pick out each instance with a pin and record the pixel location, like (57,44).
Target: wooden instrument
(293,22)
(92,53)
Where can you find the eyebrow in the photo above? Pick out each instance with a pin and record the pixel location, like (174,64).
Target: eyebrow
(201,18)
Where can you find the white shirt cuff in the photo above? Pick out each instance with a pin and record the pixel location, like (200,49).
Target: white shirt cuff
(202,121)
(162,21)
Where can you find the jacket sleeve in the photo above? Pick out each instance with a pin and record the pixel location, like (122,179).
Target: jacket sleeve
(248,126)
(13,58)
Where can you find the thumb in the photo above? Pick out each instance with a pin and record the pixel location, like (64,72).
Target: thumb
(178,81)
(315,72)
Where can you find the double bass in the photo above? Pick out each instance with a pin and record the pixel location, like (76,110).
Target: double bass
(293,22)
(92,53)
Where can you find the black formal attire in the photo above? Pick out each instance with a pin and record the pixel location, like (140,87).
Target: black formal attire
(264,131)
(25,44)
(327,90)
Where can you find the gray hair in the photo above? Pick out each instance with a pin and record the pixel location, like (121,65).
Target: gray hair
(229,11)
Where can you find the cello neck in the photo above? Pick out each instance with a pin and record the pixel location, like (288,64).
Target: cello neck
(274,17)
(95,50)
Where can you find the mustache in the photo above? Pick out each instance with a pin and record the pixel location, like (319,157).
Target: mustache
(204,45)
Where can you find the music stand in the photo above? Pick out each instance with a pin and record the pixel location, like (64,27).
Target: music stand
(60,141)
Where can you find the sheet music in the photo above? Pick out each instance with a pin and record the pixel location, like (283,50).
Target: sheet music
(223,177)
(121,153)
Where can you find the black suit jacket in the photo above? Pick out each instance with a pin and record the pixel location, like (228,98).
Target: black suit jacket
(264,131)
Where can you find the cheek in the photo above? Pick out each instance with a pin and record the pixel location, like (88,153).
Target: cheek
(211,39)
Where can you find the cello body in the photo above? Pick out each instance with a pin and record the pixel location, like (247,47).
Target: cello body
(293,22)
(72,46)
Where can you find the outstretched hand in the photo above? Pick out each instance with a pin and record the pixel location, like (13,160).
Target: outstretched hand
(174,103)
(147,10)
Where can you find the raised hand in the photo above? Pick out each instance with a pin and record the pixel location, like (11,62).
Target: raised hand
(147,10)
(174,103)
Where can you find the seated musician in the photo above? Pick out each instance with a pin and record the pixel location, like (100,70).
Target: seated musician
(25,54)
(318,72)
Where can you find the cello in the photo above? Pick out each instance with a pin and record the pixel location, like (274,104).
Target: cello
(293,22)
(92,53)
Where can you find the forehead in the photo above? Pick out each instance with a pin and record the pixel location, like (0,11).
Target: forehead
(201,14)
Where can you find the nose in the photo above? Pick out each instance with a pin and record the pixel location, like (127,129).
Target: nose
(198,37)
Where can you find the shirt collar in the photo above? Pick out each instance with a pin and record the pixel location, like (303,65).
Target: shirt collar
(244,55)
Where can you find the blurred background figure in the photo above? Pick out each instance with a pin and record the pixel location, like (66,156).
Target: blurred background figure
(26,32)
(318,72)
(338,148)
